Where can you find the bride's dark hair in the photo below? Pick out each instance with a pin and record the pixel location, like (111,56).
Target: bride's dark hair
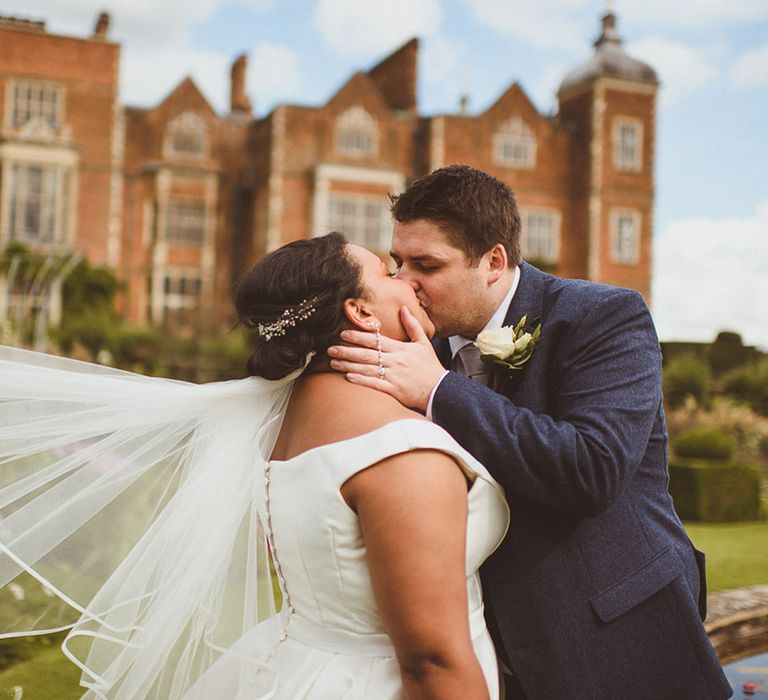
(283,285)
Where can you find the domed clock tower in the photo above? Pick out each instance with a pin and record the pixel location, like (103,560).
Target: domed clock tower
(608,104)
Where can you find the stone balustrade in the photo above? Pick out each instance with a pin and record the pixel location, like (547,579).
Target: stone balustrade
(737,622)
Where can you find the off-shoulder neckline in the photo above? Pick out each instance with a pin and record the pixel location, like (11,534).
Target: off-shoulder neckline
(336,443)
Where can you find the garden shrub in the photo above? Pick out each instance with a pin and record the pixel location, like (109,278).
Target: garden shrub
(727,352)
(684,376)
(22,603)
(13,651)
(136,348)
(750,385)
(673,349)
(703,442)
(711,492)
(745,426)
(762,446)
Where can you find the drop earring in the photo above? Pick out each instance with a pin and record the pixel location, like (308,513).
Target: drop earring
(382,371)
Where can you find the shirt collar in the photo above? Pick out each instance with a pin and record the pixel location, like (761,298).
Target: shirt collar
(457,342)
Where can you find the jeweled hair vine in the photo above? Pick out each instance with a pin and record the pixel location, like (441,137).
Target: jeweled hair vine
(293,300)
(288,319)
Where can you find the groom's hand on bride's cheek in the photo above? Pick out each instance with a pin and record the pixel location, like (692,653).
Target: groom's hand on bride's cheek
(411,369)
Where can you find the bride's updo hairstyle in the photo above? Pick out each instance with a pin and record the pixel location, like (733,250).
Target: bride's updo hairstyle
(293,298)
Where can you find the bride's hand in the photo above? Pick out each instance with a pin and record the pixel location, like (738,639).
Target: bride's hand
(411,369)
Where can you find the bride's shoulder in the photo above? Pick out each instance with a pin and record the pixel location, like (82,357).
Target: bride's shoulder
(365,410)
(330,409)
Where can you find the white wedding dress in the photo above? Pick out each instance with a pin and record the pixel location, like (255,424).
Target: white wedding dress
(144,512)
(334,644)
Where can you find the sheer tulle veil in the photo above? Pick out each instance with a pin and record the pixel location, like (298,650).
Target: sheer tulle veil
(134,507)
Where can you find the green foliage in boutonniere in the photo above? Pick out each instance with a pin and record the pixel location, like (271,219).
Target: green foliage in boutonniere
(508,347)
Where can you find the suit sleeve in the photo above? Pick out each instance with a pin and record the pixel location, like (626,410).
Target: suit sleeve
(606,400)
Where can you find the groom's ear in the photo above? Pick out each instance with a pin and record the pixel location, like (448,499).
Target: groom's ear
(496,261)
(358,314)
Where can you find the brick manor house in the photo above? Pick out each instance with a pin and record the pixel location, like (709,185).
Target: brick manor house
(178,200)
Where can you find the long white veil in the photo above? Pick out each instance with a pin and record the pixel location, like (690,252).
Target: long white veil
(134,507)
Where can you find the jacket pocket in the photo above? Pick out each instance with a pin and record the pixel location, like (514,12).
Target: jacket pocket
(640,585)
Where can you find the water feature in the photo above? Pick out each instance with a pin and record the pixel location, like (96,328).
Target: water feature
(749,677)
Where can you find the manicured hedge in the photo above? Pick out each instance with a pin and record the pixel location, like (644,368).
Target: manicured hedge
(709,491)
(702,442)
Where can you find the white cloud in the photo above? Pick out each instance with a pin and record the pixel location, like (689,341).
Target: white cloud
(155,55)
(682,69)
(544,90)
(156,49)
(712,275)
(444,68)
(690,14)
(274,75)
(750,69)
(361,29)
(259,5)
(139,22)
(544,24)
(561,24)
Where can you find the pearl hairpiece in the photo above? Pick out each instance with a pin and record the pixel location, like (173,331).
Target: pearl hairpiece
(288,319)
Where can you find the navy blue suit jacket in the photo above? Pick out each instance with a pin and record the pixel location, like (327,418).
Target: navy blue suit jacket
(596,592)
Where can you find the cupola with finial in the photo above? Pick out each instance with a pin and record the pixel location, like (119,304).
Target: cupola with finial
(609,60)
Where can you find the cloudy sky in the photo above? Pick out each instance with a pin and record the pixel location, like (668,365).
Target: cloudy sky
(711,219)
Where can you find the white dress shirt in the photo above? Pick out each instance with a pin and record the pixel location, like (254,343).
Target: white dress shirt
(457,342)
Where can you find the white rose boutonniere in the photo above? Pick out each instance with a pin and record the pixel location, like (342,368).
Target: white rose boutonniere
(508,347)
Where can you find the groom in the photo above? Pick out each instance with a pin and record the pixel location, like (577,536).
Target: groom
(596,592)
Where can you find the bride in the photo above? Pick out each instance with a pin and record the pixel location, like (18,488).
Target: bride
(161,519)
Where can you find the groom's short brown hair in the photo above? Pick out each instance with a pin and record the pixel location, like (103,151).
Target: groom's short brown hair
(472,208)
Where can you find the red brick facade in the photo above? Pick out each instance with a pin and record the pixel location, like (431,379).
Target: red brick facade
(80,136)
(180,200)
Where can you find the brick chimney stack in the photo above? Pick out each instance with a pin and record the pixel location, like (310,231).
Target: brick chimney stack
(239,100)
(101,28)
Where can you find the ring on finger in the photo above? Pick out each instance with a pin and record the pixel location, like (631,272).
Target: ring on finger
(382,372)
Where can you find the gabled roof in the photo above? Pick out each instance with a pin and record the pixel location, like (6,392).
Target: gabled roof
(188,94)
(365,90)
(514,94)
(392,80)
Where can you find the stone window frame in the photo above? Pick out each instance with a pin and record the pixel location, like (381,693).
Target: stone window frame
(57,197)
(348,177)
(547,251)
(185,221)
(628,151)
(187,125)
(625,242)
(182,286)
(39,110)
(357,133)
(514,144)
(182,293)
(367,221)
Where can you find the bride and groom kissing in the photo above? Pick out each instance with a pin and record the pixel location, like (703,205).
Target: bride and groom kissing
(549,564)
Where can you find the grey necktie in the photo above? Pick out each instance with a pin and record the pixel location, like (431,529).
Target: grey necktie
(467,362)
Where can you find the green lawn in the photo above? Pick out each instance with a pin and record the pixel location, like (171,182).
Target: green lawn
(49,675)
(737,553)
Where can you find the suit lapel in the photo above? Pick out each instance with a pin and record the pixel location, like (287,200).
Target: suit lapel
(529,297)
(528,301)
